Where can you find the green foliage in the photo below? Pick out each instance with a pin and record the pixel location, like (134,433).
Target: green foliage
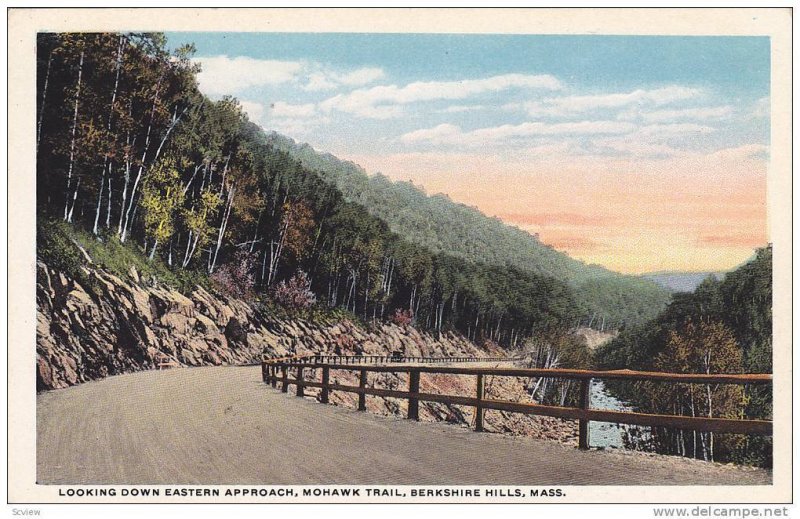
(723,326)
(55,247)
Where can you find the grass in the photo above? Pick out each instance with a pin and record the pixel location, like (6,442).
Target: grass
(57,245)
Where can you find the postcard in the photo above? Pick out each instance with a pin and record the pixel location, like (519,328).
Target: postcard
(400,256)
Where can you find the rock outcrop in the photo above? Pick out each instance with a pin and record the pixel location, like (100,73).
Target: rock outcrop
(108,326)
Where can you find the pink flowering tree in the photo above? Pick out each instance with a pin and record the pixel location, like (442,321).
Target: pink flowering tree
(236,278)
(295,293)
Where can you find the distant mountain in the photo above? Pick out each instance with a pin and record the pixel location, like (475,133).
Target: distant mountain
(680,281)
(442,225)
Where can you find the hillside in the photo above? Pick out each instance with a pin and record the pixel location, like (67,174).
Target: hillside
(440,224)
(680,281)
(140,166)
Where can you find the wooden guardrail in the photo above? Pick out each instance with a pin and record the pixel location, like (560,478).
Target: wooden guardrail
(384,359)
(276,371)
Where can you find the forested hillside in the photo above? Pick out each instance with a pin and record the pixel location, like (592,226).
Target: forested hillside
(607,299)
(724,326)
(130,152)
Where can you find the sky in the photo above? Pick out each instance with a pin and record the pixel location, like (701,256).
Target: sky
(638,153)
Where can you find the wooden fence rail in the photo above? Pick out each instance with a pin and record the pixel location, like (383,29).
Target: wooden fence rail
(276,371)
(383,359)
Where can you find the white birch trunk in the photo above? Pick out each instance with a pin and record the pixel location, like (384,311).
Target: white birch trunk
(67,212)
(223,225)
(44,98)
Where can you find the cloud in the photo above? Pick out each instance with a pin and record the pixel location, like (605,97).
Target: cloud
(222,75)
(319,81)
(383,102)
(361,76)
(457,109)
(298,128)
(652,141)
(701,114)
(280,110)
(253,110)
(330,80)
(666,131)
(576,104)
(449,134)
(761,109)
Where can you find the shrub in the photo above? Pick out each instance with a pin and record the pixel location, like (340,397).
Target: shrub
(402,317)
(55,247)
(296,293)
(236,278)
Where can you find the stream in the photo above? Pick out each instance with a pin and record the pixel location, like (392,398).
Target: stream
(608,435)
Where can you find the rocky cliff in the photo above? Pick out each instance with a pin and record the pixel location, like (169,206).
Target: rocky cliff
(108,325)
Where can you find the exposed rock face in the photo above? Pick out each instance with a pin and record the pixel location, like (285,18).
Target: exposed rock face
(114,326)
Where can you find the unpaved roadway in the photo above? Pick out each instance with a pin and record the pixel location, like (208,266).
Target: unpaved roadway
(224,426)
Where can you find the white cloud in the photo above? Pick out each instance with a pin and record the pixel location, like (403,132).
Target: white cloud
(653,140)
(457,109)
(684,114)
(570,105)
(362,76)
(449,134)
(298,128)
(329,80)
(666,131)
(253,110)
(442,134)
(761,108)
(223,75)
(382,102)
(283,110)
(319,81)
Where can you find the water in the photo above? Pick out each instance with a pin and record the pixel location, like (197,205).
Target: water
(608,435)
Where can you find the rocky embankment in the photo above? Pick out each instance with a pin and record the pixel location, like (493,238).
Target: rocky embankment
(108,325)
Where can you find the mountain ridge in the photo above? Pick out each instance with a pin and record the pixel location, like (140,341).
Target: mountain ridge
(441,224)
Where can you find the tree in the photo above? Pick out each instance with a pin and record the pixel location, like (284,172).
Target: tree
(706,347)
(162,195)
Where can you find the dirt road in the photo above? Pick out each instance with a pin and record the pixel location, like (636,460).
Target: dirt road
(224,426)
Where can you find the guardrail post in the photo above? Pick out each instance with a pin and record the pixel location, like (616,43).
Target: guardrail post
(273,377)
(324,392)
(479,408)
(583,425)
(299,381)
(264,369)
(362,397)
(285,377)
(413,402)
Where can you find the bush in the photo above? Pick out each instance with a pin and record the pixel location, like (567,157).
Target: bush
(236,278)
(55,247)
(296,293)
(402,317)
